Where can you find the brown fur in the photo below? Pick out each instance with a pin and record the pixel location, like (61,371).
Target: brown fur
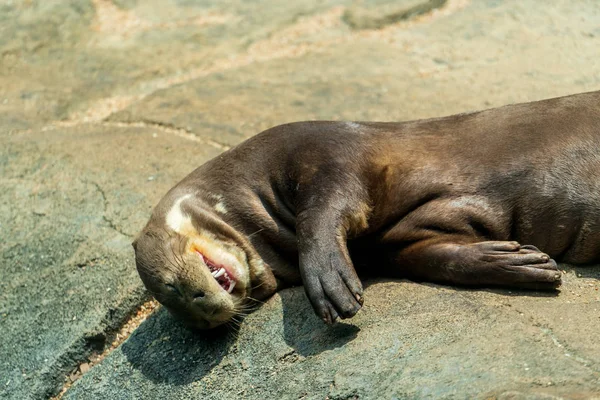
(442,200)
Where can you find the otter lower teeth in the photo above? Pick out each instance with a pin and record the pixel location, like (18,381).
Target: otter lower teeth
(231,287)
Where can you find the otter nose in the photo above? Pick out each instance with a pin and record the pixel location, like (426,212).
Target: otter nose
(205,303)
(198,296)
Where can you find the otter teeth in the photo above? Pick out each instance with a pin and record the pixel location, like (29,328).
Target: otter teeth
(218,273)
(231,287)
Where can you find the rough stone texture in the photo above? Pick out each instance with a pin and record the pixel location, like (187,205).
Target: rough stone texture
(105,105)
(483,54)
(410,341)
(72,200)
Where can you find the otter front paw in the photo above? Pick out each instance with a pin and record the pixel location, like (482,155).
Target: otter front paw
(331,285)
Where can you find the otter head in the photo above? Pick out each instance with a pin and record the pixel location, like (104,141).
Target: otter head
(195,264)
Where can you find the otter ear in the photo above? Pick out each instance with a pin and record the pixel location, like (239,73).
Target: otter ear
(134,244)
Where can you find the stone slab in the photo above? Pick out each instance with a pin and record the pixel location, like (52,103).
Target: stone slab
(411,341)
(466,57)
(72,200)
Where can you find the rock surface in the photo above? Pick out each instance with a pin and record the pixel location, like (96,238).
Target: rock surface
(410,341)
(72,200)
(105,105)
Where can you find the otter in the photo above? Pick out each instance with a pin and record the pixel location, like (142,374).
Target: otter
(482,199)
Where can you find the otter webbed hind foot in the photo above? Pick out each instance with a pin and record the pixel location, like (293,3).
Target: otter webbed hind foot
(489,263)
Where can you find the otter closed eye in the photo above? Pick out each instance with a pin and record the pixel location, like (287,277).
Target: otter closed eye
(173,289)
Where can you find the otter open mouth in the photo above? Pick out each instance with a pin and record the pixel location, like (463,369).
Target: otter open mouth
(219,272)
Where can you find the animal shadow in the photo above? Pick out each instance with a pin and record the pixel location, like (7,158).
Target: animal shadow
(306,333)
(167,351)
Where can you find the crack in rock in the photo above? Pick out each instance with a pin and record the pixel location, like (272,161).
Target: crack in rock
(568,352)
(108,221)
(170,129)
(93,347)
(161,126)
(546,330)
(367,18)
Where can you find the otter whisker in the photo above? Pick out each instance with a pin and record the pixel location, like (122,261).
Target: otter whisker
(243,306)
(178,262)
(235,322)
(181,248)
(246,307)
(255,300)
(257,286)
(239,313)
(233,330)
(244,313)
(245,310)
(173,264)
(180,259)
(254,233)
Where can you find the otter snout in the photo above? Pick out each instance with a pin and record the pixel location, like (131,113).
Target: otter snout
(201,307)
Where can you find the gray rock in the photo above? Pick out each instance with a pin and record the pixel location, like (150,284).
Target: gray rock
(480,56)
(409,341)
(72,200)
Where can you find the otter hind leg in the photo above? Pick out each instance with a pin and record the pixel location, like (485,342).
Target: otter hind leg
(489,263)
